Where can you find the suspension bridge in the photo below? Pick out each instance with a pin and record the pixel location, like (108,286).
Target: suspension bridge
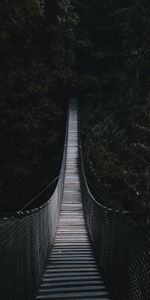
(73,247)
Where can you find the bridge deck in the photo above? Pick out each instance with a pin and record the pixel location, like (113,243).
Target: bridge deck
(71,271)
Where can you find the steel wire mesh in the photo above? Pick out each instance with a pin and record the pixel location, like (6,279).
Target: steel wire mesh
(121,246)
(25,241)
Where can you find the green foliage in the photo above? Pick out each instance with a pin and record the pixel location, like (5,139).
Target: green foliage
(37,57)
(114,89)
(113,166)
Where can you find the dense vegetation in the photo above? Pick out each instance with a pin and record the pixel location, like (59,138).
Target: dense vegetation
(114,50)
(36,53)
(45,46)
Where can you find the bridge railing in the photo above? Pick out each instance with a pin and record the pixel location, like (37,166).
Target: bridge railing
(121,245)
(25,241)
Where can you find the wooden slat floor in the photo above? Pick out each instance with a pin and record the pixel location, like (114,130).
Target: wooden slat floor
(71,271)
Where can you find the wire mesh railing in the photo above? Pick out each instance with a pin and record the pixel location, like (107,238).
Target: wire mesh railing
(121,245)
(25,241)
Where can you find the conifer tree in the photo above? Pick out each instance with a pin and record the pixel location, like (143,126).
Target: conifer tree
(37,57)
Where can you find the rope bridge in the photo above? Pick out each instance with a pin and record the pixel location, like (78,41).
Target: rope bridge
(68,224)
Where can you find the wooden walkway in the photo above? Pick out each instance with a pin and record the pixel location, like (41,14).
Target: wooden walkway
(71,271)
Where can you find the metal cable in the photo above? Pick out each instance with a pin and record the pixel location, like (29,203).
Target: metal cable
(121,245)
(26,238)
(39,194)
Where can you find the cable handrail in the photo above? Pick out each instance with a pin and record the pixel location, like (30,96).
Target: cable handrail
(39,194)
(105,207)
(26,237)
(121,246)
(121,243)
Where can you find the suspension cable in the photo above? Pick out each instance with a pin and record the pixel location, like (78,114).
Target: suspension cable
(100,196)
(39,194)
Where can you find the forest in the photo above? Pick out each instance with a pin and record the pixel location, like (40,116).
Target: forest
(98,51)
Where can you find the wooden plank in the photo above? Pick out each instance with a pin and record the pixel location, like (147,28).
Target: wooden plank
(74,295)
(63,271)
(72,283)
(63,289)
(66,280)
(70,274)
